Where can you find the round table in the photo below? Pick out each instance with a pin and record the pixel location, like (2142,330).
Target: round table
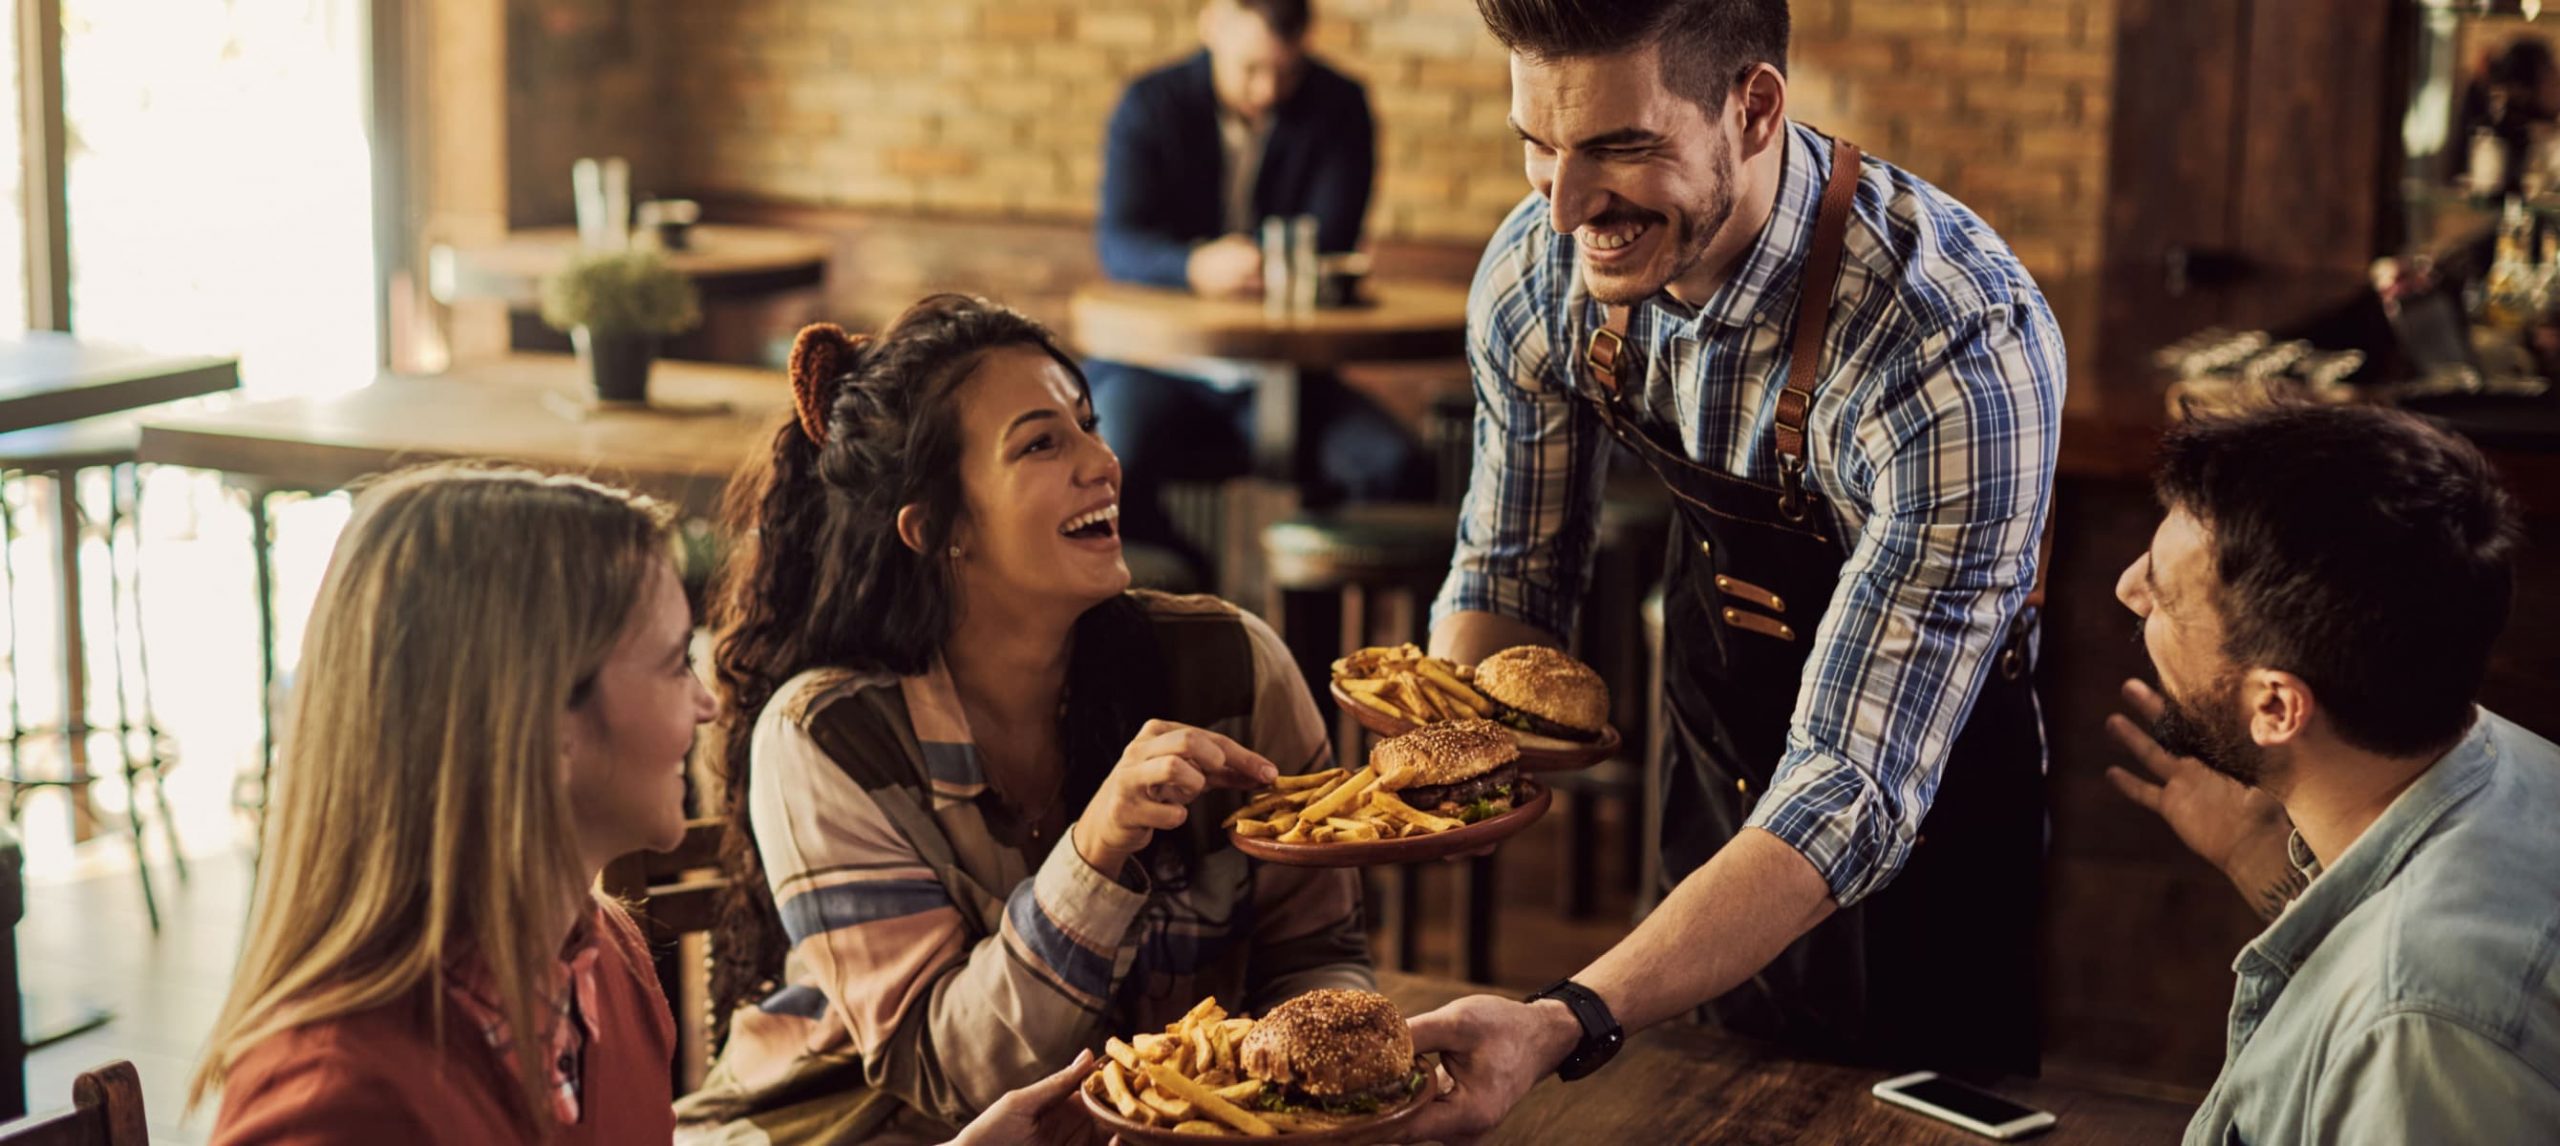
(1169,330)
(722,259)
(1165,329)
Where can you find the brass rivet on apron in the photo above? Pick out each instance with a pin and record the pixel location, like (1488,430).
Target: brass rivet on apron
(1752,593)
(1707,547)
(1742,786)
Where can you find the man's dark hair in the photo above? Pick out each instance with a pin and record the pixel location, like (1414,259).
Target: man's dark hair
(2361,549)
(1706,46)
(1288,18)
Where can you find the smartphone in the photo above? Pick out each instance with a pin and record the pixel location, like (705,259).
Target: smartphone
(1973,1108)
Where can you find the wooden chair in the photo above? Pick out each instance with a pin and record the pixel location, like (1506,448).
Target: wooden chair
(675,897)
(106,1110)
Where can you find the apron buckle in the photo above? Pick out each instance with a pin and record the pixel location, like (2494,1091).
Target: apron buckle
(2013,652)
(1791,487)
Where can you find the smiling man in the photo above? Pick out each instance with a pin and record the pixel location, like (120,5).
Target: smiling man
(2319,604)
(1852,390)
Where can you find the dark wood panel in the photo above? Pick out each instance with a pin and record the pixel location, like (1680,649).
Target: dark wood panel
(2317,124)
(2263,129)
(2171,144)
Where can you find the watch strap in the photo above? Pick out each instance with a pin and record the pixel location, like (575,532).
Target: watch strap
(1601,1034)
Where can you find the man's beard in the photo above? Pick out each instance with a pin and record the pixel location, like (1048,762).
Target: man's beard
(1690,233)
(2212,732)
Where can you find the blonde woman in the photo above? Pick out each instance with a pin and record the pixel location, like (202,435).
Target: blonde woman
(497,697)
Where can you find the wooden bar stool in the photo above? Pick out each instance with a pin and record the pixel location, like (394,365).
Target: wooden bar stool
(62,455)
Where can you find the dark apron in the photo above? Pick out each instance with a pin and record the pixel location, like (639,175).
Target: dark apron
(1938,969)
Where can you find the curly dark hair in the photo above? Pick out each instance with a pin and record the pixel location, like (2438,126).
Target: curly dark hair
(821,577)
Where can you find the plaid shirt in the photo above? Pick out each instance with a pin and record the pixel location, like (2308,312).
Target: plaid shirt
(1931,436)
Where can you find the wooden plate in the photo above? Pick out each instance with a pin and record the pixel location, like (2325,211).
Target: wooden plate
(1410,849)
(1572,759)
(1381,1128)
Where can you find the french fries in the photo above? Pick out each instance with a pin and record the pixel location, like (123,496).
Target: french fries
(1189,1078)
(1403,683)
(1331,807)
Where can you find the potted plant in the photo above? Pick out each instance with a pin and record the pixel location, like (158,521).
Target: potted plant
(616,306)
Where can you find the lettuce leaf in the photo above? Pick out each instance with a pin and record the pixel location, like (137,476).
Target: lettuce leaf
(1486,806)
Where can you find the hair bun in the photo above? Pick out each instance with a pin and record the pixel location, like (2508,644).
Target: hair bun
(821,354)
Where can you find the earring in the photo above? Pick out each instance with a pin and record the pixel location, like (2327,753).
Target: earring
(955,553)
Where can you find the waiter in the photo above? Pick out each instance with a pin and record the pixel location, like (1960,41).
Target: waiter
(1851,391)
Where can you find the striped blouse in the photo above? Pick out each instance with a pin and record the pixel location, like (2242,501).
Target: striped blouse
(933,967)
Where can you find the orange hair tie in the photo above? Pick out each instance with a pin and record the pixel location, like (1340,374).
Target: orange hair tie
(821,354)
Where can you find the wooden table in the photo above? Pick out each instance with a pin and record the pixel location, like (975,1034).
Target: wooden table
(722,259)
(47,379)
(1684,1083)
(520,408)
(1166,329)
(513,408)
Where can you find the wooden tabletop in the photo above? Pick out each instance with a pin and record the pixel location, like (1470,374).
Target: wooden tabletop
(720,258)
(521,408)
(1152,326)
(1684,1083)
(48,378)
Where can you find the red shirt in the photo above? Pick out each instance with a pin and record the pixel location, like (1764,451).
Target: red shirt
(379,1078)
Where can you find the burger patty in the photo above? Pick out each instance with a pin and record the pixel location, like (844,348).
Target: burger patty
(1279,1096)
(1435,797)
(1532,722)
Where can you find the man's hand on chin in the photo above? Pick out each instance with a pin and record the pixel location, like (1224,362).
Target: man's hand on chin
(1494,1050)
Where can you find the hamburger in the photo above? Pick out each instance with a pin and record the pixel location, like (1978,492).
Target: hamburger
(1463,769)
(1332,1050)
(1542,694)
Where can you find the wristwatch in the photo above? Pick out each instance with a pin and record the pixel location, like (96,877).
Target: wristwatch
(1601,1035)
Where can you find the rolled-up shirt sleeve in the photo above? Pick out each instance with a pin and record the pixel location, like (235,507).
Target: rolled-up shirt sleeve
(1961,466)
(1526,528)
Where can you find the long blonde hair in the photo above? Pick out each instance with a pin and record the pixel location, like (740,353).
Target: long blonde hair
(418,814)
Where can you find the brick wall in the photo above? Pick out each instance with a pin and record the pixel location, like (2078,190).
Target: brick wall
(995,108)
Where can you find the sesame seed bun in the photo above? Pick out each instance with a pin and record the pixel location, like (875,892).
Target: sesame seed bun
(1332,1044)
(1547,684)
(1444,753)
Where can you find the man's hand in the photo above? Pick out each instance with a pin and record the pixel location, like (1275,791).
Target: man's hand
(2233,826)
(1041,1114)
(1229,266)
(1494,1050)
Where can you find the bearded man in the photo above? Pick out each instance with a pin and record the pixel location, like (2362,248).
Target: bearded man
(1852,391)
(2319,605)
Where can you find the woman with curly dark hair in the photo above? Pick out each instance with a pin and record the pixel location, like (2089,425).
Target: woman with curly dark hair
(975,781)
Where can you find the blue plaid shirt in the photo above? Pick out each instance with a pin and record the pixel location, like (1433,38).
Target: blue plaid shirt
(1931,436)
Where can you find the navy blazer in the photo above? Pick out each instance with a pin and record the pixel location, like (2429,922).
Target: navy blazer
(1164,168)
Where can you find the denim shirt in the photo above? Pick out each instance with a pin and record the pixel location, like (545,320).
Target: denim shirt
(2410,993)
